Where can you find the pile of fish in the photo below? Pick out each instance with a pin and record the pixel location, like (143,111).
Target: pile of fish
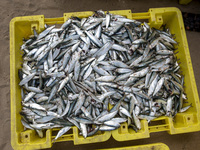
(97,72)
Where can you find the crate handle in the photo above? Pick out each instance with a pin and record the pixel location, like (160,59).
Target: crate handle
(139,16)
(54,20)
(155,19)
(60,20)
(158,128)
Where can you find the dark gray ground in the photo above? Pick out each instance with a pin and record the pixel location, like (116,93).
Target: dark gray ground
(55,8)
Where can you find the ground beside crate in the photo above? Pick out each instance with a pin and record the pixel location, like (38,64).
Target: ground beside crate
(21,27)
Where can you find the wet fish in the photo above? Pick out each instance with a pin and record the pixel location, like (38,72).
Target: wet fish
(71,75)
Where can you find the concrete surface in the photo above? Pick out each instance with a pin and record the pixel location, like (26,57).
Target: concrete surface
(56,8)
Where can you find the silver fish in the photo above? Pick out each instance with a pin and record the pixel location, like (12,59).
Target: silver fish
(71,75)
(61,132)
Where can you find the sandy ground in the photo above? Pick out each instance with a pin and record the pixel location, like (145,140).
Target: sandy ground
(55,8)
